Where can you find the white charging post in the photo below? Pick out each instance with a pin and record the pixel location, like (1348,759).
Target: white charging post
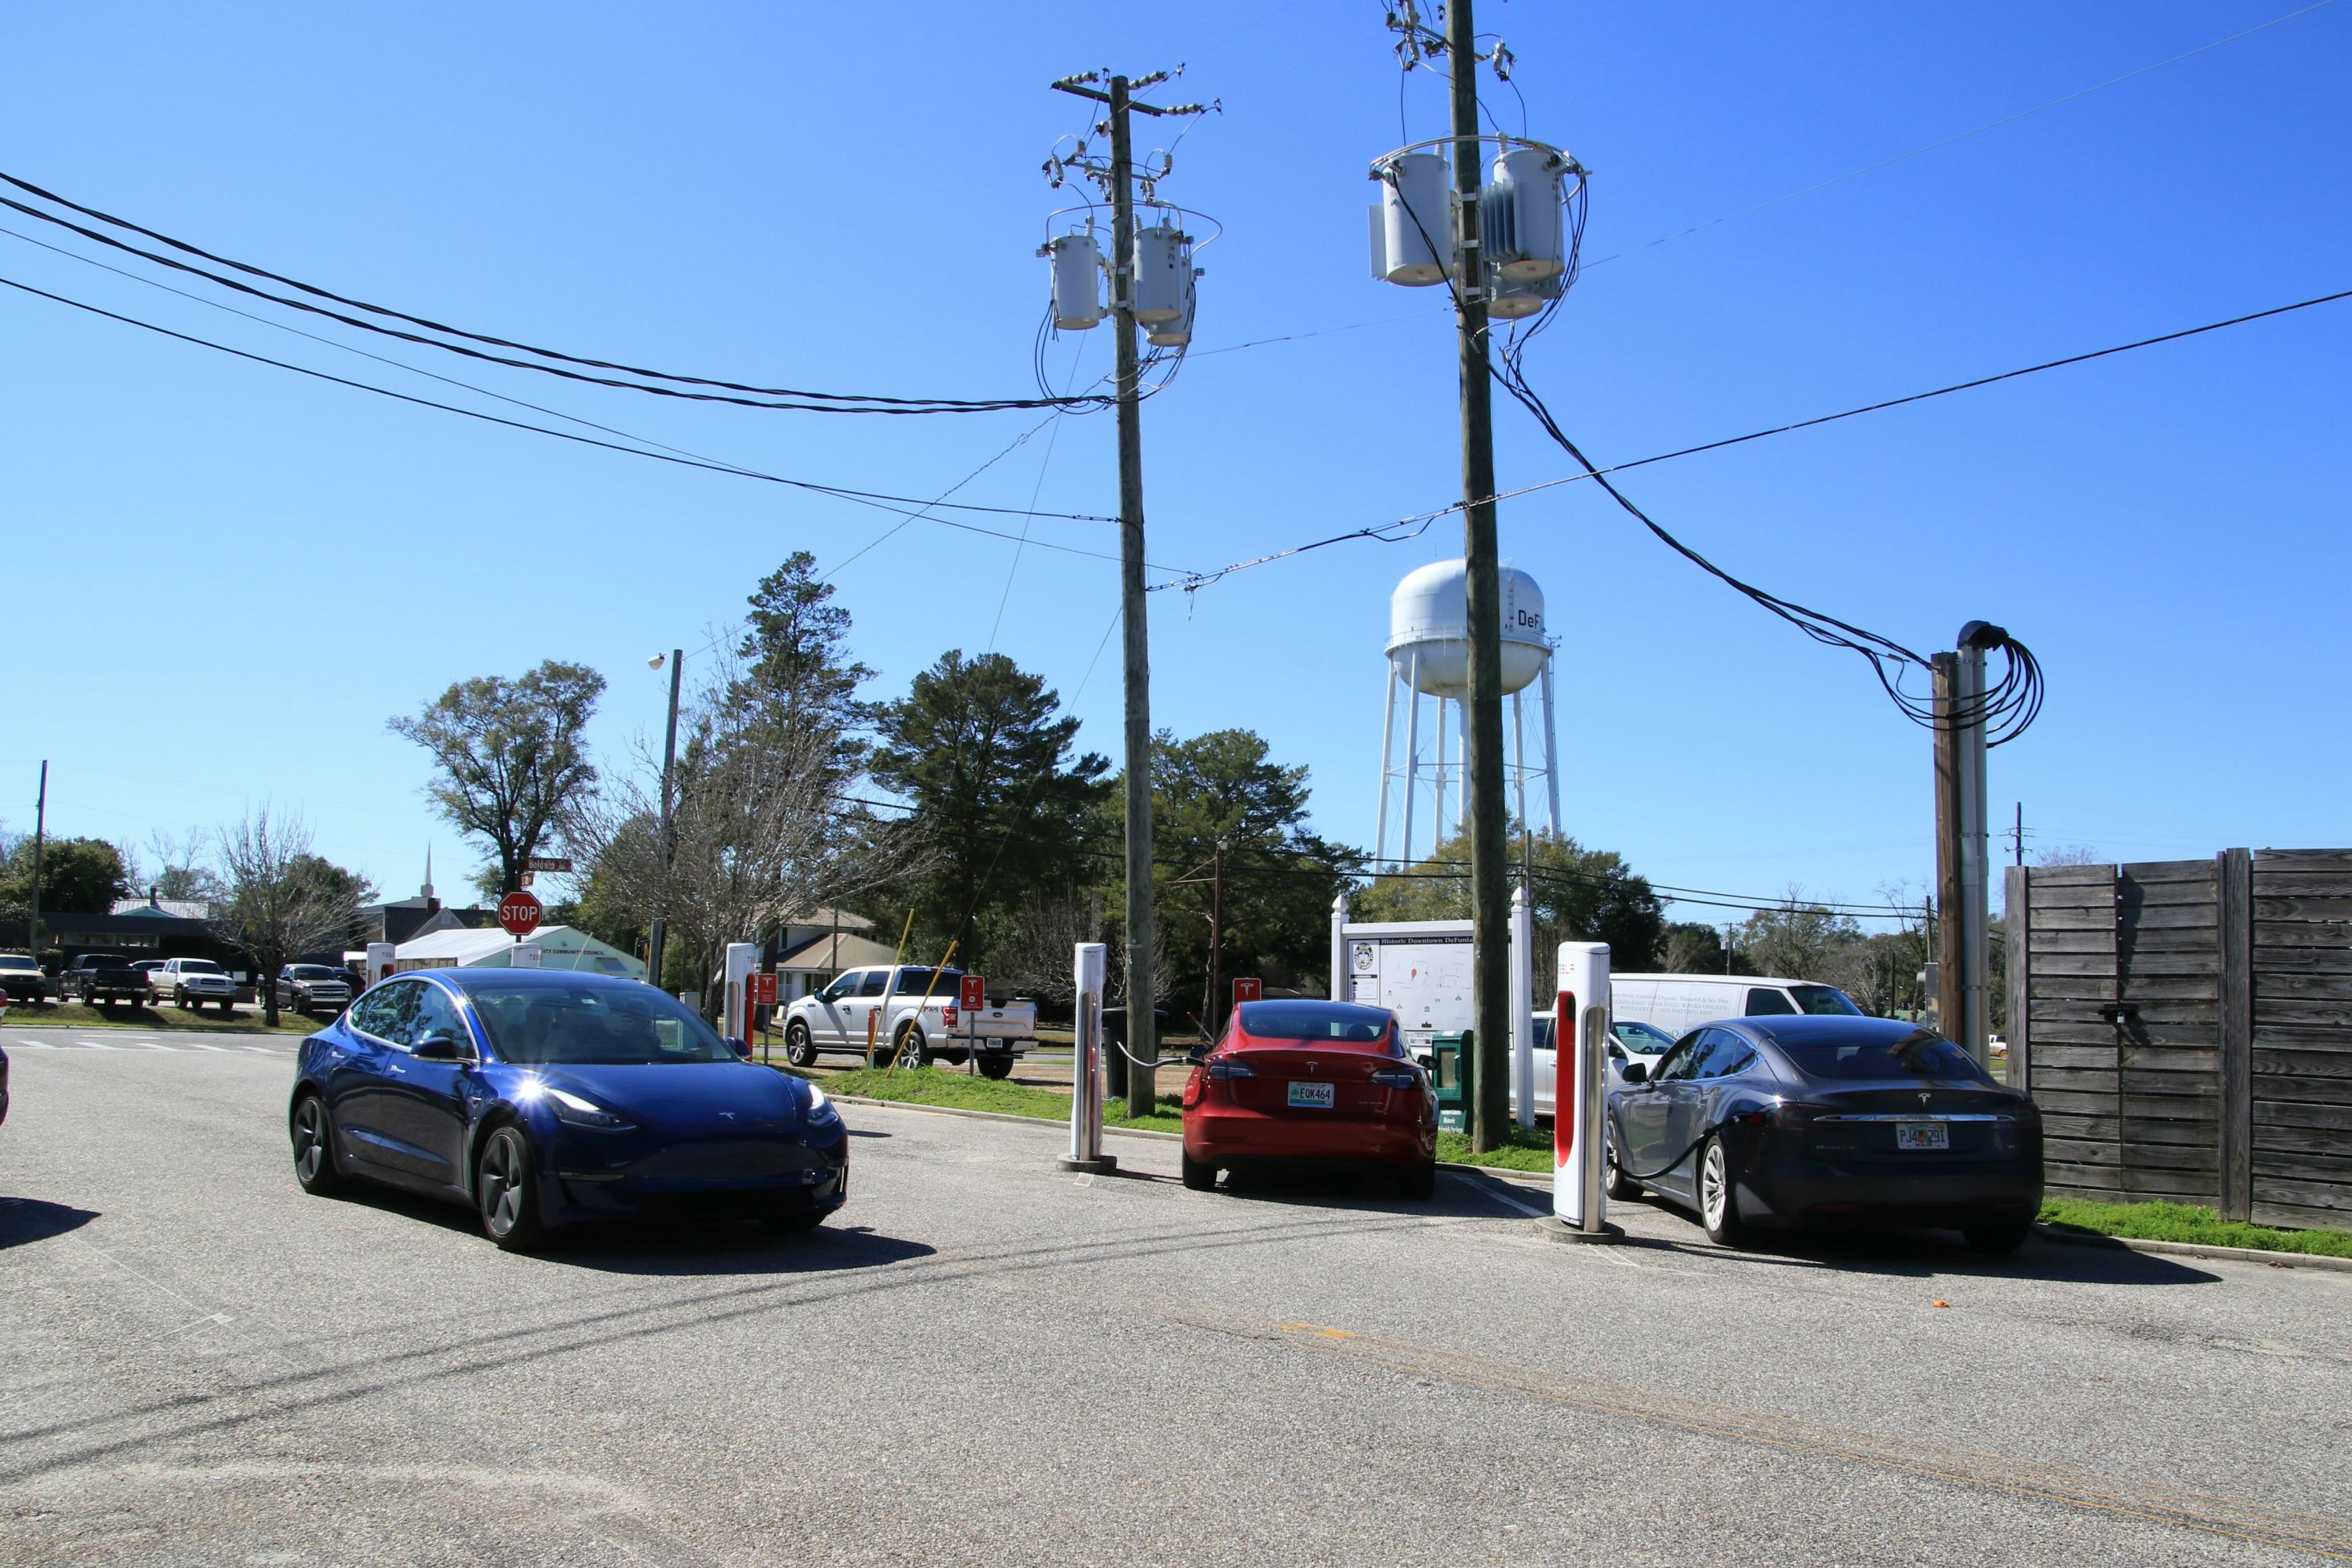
(1088,967)
(379,961)
(742,958)
(1580,1031)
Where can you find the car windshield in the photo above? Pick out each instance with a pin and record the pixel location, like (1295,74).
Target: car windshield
(1824,999)
(314,972)
(199,966)
(535,1022)
(1641,1039)
(1923,1053)
(16,961)
(1338,1021)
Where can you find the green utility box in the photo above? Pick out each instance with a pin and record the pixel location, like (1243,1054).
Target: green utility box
(1455,1072)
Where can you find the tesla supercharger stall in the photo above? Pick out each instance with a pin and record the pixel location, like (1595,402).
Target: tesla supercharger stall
(742,958)
(1088,966)
(379,961)
(1581,1034)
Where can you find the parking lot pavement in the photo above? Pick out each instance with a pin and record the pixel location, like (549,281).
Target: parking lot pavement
(984,1360)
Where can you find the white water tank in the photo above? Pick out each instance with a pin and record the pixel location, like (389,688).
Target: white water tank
(1428,615)
(1078,289)
(1412,229)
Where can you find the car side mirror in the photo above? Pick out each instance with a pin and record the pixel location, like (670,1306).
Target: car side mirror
(1635,1072)
(440,1047)
(740,1048)
(1616,1053)
(1197,1055)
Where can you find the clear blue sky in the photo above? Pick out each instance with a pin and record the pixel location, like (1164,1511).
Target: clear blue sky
(224,579)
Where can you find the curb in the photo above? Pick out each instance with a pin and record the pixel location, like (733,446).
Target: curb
(2199,1250)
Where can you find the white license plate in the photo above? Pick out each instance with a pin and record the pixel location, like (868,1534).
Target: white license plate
(1315,1095)
(1922,1135)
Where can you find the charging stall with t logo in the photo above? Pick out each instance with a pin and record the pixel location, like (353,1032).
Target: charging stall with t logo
(1581,1030)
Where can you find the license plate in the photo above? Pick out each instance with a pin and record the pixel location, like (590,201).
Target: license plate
(1317,1096)
(1922,1135)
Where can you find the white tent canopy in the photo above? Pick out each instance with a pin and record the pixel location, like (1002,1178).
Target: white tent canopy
(560,948)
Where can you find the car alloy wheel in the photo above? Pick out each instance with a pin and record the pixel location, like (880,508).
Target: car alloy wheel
(503,1186)
(1623,1188)
(799,1049)
(1718,1205)
(314,1147)
(912,1050)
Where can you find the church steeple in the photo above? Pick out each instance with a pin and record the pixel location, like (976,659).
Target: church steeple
(427,892)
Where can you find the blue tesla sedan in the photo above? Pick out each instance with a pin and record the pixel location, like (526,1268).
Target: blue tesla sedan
(545,1098)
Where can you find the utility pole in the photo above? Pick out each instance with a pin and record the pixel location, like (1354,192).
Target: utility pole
(1142,979)
(2017,833)
(1964,956)
(1217,936)
(668,838)
(1490,893)
(40,830)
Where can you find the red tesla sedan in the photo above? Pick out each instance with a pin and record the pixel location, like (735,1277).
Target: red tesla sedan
(1301,1082)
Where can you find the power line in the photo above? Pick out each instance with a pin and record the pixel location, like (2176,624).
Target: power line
(814,402)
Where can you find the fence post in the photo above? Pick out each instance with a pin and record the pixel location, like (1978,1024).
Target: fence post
(2017,926)
(2234,929)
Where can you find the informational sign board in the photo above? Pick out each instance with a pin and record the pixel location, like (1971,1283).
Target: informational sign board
(1422,977)
(763,990)
(1247,989)
(519,913)
(971,993)
(527,959)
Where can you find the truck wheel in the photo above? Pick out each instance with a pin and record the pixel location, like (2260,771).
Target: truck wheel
(996,1064)
(913,1049)
(799,1049)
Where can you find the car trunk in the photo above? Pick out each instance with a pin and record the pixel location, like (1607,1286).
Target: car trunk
(1910,1121)
(1326,1083)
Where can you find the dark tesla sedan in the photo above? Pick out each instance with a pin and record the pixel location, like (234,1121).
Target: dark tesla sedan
(1826,1121)
(547,1098)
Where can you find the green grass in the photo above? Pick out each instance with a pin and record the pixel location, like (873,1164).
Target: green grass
(244,1020)
(1524,1149)
(2186,1222)
(962,1092)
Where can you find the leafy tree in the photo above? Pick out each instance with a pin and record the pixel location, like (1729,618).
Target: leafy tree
(511,765)
(795,647)
(81,876)
(1797,939)
(1580,895)
(281,899)
(979,746)
(1692,947)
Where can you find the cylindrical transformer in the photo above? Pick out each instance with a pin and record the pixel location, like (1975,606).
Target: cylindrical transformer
(1163,271)
(1511,298)
(1416,220)
(1529,182)
(1078,287)
(1177,332)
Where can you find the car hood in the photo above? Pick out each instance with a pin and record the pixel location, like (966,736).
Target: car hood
(684,1097)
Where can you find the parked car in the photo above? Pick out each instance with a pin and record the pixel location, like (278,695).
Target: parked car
(313,988)
(545,1098)
(3,1063)
(1679,1003)
(916,1031)
(1306,1081)
(192,982)
(1828,1121)
(21,979)
(1629,1040)
(105,980)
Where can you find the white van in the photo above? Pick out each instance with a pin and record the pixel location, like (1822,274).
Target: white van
(1679,1003)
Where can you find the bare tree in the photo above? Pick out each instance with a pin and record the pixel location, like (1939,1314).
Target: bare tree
(2069,855)
(180,869)
(759,833)
(1031,955)
(279,900)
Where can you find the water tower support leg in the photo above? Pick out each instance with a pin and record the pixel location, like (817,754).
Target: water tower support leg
(1437,819)
(1388,732)
(1519,759)
(1551,749)
(1411,747)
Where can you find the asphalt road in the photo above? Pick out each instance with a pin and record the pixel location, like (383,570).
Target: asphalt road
(985,1360)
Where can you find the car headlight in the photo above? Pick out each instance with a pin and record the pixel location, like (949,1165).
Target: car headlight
(820,1108)
(572,1111)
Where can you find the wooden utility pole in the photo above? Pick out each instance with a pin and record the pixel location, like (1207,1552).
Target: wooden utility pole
(1951,958)
(40,830)
(1216,939)
(1490,892)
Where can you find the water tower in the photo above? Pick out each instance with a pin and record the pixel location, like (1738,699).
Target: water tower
(1429,656)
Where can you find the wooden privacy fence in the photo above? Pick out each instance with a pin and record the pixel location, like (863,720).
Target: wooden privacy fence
(2186,1027)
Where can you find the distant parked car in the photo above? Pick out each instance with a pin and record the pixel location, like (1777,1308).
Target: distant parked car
(1828,1121)
(1629,1040)
(1293,1082)
(105,979)
(192,982)
(313,988)
(21,979)
(1680,1003)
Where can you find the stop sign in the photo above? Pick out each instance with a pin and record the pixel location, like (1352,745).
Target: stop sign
(518,912)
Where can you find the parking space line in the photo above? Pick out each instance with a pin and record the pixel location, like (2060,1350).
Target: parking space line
(264,1049)
(1495,1191)
(95,1044)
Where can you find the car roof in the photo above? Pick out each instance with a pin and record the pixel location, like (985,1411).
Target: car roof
(1822,1028)
(512,980)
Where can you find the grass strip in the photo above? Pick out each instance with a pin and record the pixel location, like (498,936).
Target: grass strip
(78,1015)
(1525,1149)
(2187,1222)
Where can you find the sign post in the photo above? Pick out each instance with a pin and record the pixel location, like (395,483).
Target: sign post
(1086,1154)
(972,996)
(1581,1034)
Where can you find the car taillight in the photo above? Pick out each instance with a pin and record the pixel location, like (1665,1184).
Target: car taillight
(1793,1115)
(949,1014)
(1397,1077)
(1219,1072)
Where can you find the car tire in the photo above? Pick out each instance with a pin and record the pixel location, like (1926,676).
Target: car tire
(1419,1185)
(1623,1188)
(913,1049)
(799,1049)
(1718,1197)
(316,1167)
(1199,1176)
(799,1222)
(179,1000)
(506,1191)
(996,1064)
(1997,1240)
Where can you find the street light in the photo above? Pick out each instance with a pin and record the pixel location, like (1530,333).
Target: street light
(676,659)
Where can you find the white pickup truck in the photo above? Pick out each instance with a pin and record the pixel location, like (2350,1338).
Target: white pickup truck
(905,1025)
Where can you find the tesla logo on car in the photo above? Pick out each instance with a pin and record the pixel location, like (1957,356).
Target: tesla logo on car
(1312,1069)
(726,1115)
(1924,1099)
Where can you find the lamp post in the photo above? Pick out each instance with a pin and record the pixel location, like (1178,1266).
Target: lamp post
(676,659)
